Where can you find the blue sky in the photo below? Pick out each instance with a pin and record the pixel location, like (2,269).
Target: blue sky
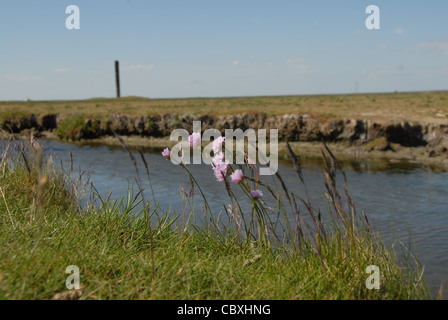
(218,48)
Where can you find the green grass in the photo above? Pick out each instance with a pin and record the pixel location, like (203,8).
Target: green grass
(129,249)
(75,127)
(9,117)
(70,128)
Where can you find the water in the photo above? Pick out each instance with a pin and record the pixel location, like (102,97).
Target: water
(407,204)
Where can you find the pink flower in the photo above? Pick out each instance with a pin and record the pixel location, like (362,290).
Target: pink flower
(217,144)
(220,166)
(218,159)
(220,170)
(166,153)
(237,176)
(255,194)
(195,139)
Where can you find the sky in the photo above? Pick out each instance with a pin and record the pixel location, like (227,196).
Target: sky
(220,48)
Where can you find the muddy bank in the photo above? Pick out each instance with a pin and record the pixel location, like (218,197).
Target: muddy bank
(419,141)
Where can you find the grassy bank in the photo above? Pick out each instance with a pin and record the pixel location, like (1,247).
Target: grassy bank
(417,133)
(131,249)
(415,106)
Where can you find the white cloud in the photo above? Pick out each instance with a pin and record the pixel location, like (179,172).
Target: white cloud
(303,69)
(400,70)
(138,67)
(93,71)
(299,64)
(20,78)
(60,70)
(436,47)
(399,31)
(296,60)
(236,63)
(197,82)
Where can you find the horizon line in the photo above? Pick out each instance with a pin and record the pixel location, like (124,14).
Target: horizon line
(234,97)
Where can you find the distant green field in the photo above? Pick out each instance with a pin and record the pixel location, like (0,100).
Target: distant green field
(397,106)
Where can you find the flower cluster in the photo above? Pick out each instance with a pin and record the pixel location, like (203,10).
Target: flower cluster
(195,139)
(220,165)
(167,153)
(237,176)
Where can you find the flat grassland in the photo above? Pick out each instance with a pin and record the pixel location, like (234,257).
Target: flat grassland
(128,248)
(412,106)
